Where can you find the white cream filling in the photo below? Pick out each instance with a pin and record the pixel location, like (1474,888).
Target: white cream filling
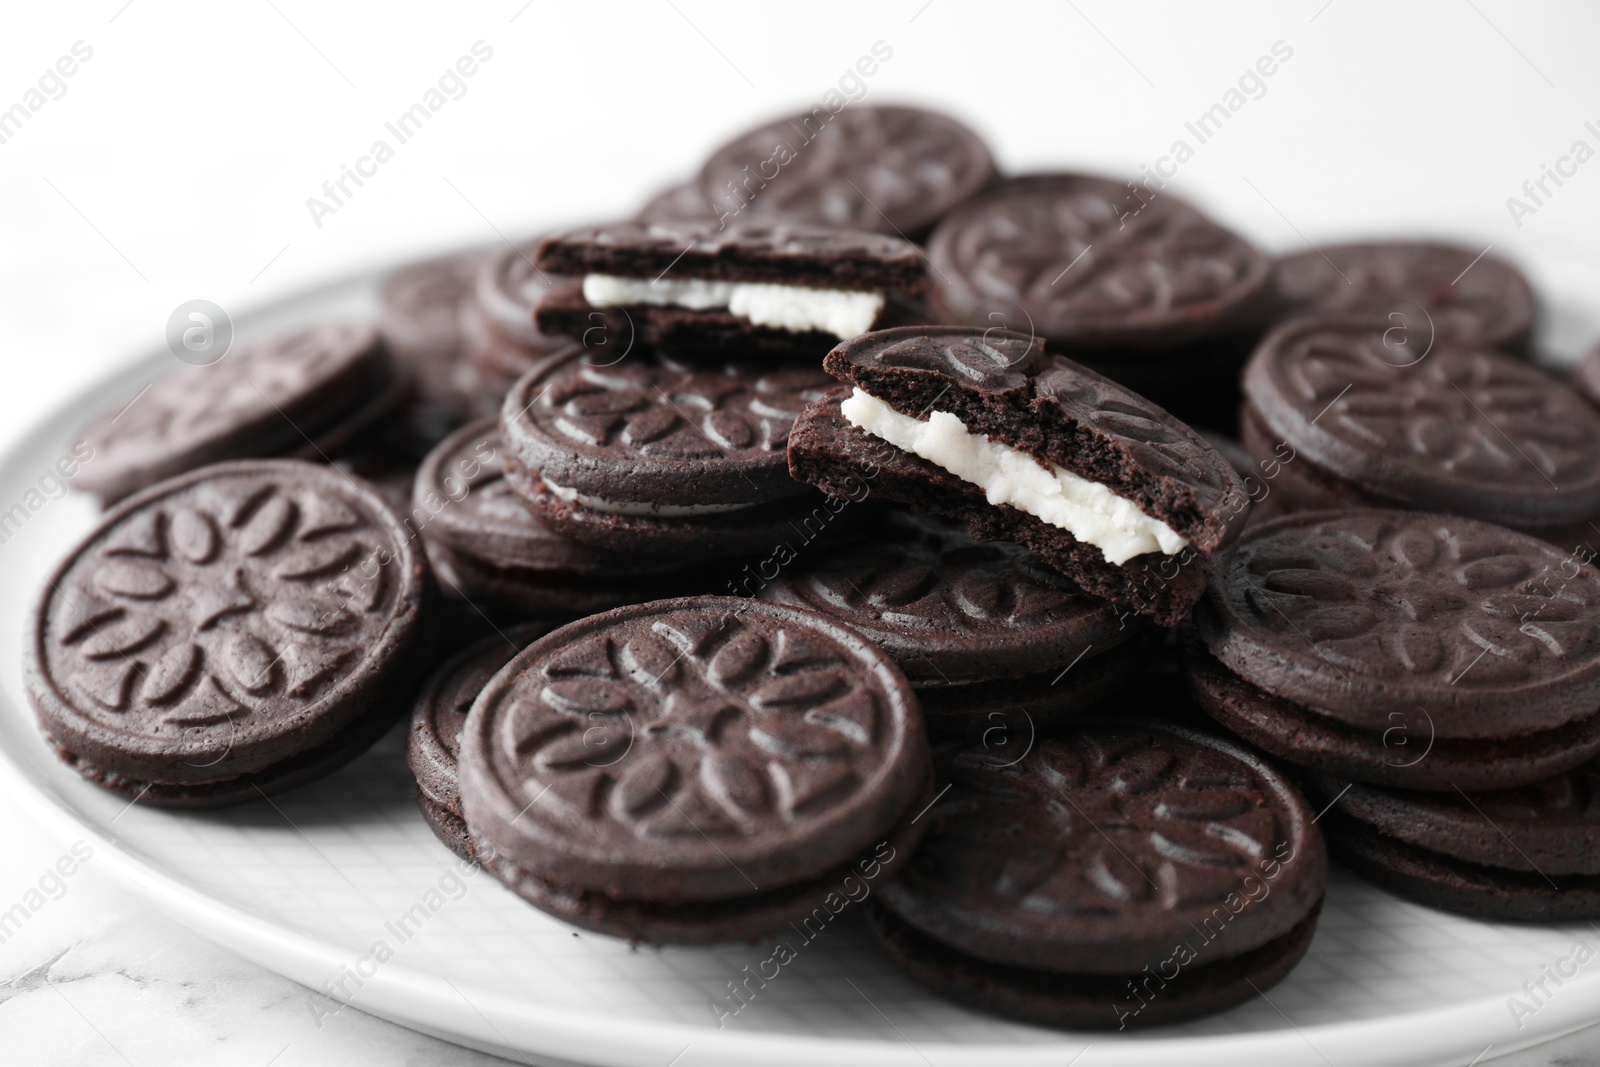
(638,507)
(1087,510)
(845,313)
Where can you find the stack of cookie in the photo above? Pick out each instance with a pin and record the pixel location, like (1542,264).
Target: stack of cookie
(836,529)
(1416,663)
(499,340)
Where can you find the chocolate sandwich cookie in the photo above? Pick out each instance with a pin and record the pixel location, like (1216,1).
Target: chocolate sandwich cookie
(1122,874)
(1140,286)
(305,391)
(885,169)
(488,547)
(437,717)
(987,635)
(500,342)
(1529,854)
(1096,264)
(1440,289)
(667,460)
(1420,651)
(234,631)
(987,427)
(694,771)
(1360,412)
(693,286)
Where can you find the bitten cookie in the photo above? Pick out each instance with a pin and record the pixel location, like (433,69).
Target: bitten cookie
(694,771)
(234,631)
(991,639)
(306,391)
(669,460)
(438,715)
(987,427)
(1122,874)
(1530,854)
(1420,651)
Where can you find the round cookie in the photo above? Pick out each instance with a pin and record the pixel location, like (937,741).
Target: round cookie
(1366,414)
(437,717)
(886,169)
(660,458)
(500,342)
(1461,292)
(1403,648)
(304,391)
(688,764)
(1058,882)
(236,630)
(1090,264)
(985,633)
(487,545)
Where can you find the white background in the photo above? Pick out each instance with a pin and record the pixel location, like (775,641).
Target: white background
(178,163)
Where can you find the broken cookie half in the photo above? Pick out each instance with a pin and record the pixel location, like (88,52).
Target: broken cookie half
(1025,446)
(686,286)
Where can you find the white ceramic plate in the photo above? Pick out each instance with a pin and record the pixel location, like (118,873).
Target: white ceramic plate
(312,885)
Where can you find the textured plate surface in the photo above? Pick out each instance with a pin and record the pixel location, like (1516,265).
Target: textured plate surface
(309,886)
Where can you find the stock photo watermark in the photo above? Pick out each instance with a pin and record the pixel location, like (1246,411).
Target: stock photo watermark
(449,888)
(1537,191)
(199,332)
(1251,85)
(1536,992)
(853,888)
(1146,986)
(757,576)
(50,886)
(451,85)
(740,192)
(52,484)
(51,85)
